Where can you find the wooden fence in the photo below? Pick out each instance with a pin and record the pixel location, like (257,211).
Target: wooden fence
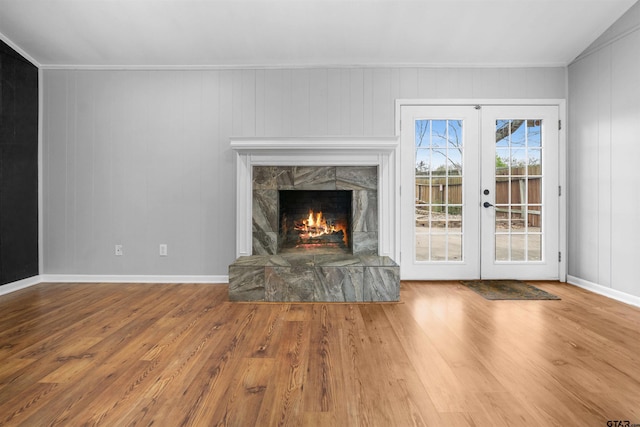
(448,190)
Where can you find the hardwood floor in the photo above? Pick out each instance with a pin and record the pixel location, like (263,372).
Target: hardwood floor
(180,354)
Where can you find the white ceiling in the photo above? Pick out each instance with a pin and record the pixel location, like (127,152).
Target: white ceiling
(271,33)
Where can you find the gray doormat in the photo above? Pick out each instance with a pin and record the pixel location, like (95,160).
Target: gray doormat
(507,290)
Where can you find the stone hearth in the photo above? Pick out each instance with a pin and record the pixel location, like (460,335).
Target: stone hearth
(314,278)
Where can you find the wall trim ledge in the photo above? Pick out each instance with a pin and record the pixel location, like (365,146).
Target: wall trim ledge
(20,284)
(604,291)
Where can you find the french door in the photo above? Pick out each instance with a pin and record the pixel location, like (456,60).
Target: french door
(480,192)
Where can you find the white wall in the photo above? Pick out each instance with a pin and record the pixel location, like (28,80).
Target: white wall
(604,160)
(142,157)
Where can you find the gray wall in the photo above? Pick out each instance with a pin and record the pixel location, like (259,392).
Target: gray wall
(604,159)
(142,157)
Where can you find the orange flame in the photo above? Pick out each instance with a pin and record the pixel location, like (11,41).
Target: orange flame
(316,225)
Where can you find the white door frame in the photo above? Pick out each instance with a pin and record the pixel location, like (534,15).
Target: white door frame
(562,153)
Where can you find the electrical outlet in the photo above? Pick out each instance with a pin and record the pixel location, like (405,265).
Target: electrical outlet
(164,249)
(118,250)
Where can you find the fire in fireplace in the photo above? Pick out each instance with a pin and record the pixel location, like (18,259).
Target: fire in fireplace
(315,221)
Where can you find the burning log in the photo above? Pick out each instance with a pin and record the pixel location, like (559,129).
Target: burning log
(316,230)
(337,237)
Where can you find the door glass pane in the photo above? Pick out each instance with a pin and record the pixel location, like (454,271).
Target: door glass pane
(535,161)
(534,251)
(534,218)
(455,247)
(502,190)
(534,135)
(438,180)
(517,247)
(503,247)
(518,190)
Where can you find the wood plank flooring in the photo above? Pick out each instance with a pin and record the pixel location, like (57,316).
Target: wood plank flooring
(181,354)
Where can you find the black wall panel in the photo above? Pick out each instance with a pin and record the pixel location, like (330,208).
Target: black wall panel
(18,167)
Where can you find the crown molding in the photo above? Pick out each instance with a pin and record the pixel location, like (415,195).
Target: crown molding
(18,49)
(223,67)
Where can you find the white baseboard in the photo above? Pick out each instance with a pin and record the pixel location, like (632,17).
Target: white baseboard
(604,290)
(91,278)
(97,278)
(20,284)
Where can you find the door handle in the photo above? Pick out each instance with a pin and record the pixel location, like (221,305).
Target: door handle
(487,204)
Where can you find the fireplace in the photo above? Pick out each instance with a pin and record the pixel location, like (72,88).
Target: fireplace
(314,221)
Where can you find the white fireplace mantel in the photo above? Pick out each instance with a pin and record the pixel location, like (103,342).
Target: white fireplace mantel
(382,152)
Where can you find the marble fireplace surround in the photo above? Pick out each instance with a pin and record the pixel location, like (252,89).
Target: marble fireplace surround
(325,151)
(369,274)
(268,181)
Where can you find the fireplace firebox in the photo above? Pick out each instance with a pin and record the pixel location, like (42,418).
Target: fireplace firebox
(314,221)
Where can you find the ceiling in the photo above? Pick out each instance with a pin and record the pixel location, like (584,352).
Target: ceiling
(307,33)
